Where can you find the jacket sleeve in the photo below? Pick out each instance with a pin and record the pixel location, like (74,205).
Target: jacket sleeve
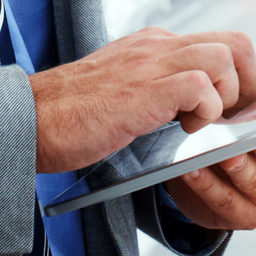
(17,161)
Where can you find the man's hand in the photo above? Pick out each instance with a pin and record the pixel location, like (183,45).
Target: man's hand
(92,107)
(221,196)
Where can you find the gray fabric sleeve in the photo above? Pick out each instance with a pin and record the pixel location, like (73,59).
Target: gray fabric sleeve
(180,237)
(17,161)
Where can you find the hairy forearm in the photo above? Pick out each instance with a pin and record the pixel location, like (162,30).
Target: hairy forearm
(69,131)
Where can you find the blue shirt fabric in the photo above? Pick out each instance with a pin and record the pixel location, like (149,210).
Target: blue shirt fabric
(20,50)
(7,56)
(35,22)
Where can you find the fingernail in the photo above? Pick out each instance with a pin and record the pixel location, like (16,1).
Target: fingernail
(239,162)
(193,174)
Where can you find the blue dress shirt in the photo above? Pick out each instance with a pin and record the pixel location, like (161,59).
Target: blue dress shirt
(7,56)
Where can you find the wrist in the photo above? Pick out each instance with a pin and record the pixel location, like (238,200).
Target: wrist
(46,89)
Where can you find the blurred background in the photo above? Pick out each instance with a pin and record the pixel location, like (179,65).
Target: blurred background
(124,17)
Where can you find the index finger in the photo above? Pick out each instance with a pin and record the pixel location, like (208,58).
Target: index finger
(244,59)
(242,51)
(242,171)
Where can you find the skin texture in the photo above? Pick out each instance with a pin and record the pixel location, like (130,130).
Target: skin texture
(91,108)
(219,197)
(126,89)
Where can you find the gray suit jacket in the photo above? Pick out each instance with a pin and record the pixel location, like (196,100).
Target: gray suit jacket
(110,227)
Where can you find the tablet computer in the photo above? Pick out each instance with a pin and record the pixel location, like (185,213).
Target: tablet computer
(179,153)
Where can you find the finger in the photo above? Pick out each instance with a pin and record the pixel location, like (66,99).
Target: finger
(231,209)
(191,92)
(214,59)
(240,46)
(244,59)
(242,171)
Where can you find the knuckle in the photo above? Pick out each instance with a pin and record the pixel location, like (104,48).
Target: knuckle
(223,53)
(225,203)
(249,185)
(135,55)
(203,91)
(243,42)
(156,31)
(205,187)
(144,42)
(242,39)
(149,44)
(150,29)
(199,79)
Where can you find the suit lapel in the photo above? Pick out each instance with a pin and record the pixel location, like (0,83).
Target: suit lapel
(88,26)
(80,28)
(64,31)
